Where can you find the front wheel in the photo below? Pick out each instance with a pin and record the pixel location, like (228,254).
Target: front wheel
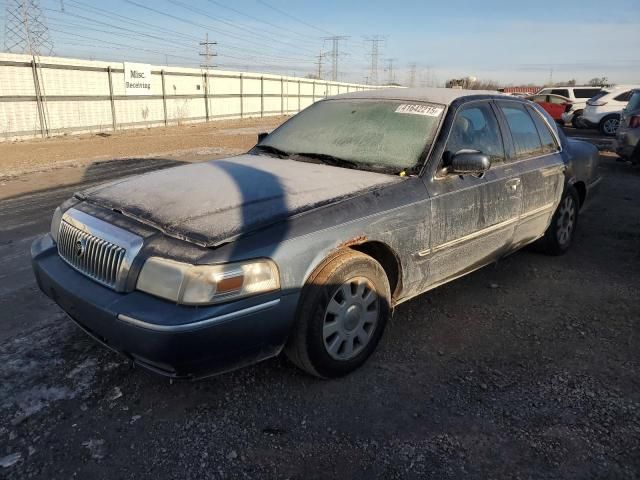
(609,125)
(559,235)
(342,314)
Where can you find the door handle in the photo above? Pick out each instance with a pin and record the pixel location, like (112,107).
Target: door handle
(513,184)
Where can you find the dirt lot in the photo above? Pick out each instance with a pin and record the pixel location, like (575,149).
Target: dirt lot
(526,369)
(193,142)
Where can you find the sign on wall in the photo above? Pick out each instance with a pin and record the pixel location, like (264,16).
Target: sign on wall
(137,78)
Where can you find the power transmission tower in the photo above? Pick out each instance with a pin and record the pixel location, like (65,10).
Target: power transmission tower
(25,29)
(375,55)
(319,63)
(391,77)
(335,54)
(208,53)
(412,75)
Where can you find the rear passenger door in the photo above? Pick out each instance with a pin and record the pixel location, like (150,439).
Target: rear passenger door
(534,153)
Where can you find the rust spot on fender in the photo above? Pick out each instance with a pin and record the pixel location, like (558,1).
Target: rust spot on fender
(353,241)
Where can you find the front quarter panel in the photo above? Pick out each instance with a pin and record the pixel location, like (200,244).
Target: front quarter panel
(396,215)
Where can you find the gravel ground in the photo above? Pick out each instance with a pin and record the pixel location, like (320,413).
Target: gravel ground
(192,142)
(525,369)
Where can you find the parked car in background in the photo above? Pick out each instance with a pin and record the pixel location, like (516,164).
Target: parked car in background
(554,105)
(628,136)
(308,241)
(578,97)
(603,111)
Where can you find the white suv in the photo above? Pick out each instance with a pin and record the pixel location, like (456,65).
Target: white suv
(603,110)
(578,97)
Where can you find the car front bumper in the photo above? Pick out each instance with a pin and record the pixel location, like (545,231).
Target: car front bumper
(170,339)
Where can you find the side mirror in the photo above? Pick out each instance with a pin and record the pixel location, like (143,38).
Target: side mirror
(469,162)
(262,136)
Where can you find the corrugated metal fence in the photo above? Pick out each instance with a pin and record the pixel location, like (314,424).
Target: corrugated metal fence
(53,96)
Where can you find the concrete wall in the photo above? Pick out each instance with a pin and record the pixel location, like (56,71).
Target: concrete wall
(88,96)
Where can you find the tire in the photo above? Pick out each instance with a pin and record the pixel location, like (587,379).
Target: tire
(336,328)
(559,235)
(575,120)
(609,125)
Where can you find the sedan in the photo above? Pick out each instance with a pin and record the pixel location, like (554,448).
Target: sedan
(554,105)
(306,243)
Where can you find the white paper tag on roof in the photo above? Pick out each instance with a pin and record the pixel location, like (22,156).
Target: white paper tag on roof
(417,109)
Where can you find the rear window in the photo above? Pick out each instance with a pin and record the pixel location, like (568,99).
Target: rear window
(585,92)
(624,97)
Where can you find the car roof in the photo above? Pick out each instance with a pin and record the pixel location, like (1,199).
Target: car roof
(444,96)
(620,87)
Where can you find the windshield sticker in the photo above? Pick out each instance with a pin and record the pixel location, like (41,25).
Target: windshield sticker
(426,110)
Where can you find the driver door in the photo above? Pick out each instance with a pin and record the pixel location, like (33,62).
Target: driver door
(473,218)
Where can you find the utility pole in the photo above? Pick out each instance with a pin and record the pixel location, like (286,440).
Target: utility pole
(412,75)
(390,77)
(375,55)
(208,53)
(25,29)
(335,54)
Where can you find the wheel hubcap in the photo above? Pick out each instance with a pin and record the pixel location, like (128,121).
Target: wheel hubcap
(611,126)
(566,220)
(350,318)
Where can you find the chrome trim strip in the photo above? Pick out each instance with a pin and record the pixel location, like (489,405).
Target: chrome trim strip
(595,182)
(497,226)
(536,211)
(200,324)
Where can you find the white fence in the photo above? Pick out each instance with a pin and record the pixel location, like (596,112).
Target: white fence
(54,96)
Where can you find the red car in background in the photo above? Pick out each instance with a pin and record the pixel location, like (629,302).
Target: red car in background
(554,105)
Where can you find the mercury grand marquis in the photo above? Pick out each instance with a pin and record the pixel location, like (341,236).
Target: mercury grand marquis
(307,242)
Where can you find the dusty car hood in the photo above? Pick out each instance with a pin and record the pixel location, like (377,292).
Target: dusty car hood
(212,202)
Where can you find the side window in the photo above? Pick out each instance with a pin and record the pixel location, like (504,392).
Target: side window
(523,131)
(624,97)
(560,91)
(585,92)
(475,128)
(557,100)
(549,143)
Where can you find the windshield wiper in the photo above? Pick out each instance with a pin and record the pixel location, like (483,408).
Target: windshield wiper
(329,159)
(274,150)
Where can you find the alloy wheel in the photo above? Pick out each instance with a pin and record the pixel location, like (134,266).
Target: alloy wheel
(566,220)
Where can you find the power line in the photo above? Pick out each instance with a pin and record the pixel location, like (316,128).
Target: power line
(282,12)
(25,29)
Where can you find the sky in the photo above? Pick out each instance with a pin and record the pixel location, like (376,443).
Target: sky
(428,42)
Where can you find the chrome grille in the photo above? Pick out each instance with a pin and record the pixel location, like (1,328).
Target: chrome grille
(96,258)
(97,249)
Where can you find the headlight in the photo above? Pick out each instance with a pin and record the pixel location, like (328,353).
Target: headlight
(55,223)
(207,284)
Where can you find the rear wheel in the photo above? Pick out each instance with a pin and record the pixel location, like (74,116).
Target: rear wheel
(609,125)
(559,235)
(342,314)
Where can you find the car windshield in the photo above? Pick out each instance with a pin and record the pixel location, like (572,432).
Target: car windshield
(384,136)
